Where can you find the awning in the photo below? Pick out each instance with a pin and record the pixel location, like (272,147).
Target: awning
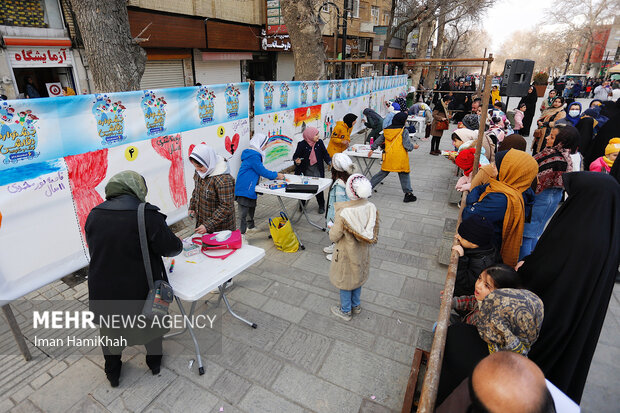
(615,69)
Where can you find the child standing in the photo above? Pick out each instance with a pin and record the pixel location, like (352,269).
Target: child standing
(396,157)
(310,157)
(342,168)
(492,278)
(341,136)
(476,252)
(519,115)
(604,163)
(213,199)
(355,229)
(249,173)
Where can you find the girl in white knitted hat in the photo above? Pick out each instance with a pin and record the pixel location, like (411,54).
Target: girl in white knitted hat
(355,229)
(342,168)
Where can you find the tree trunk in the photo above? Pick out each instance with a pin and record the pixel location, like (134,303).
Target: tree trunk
(116,61)
(426,30)
(300,18)
(430,78)
(390,32)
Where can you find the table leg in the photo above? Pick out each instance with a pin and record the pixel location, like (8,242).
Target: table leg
(238,317)
(178,333)
(303,210)
(17,333)
(201,369)
(301,245)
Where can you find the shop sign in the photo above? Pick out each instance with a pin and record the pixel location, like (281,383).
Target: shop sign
(40,56)
(54,89)
(275,42)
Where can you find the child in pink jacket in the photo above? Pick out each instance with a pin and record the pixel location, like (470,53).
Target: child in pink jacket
(604,163)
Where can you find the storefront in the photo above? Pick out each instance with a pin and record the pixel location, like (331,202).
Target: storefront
(48,62)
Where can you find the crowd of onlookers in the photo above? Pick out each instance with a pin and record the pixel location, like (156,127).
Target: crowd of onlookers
(532,278)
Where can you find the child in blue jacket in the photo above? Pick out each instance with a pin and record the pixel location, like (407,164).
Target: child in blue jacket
(249,173)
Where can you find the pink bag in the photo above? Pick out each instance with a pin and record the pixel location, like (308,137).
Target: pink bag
(222,240)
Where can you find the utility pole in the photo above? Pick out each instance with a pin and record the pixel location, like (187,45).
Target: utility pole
(345,15)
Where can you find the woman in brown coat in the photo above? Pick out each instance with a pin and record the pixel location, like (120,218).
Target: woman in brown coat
(440,114)
(546,122)
(355,229)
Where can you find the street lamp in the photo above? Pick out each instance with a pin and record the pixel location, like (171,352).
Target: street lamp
(338,26)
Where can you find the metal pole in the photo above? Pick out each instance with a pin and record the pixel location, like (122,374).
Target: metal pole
(17,333)
(483,118)
(411,60)
(345,14)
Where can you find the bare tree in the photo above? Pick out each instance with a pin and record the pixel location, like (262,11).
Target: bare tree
(583,20)
(301,19)
(116,60)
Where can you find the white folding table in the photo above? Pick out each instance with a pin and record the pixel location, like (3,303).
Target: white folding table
(192,281)
(420,124)
(360,154)
(323,184)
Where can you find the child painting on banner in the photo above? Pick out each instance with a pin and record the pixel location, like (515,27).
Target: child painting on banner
(249,173)
(342,168)
(397,144)
(341,136)
(213,199)
(310,158)
(355,229)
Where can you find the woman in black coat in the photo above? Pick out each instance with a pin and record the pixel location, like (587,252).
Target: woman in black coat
(117,281)
(310,158)
(530,101)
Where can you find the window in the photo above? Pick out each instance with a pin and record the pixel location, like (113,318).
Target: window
(354,8)
(374,12)
(386,19)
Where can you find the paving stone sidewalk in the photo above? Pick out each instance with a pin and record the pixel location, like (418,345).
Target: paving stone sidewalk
(301,358)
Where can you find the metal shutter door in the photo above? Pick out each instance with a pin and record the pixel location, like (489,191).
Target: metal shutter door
(217,71)
(163,73)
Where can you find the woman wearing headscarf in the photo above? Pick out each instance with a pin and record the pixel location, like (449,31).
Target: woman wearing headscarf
(608,131)
(509,319)
(573,115)
(505,201)
(440,115)
(250,171)
(117,281)
(572,269)
(547,103)
(341,136)
(213,199)
(397,144)
(310,158)
(486,172)
(553,162)
(546,122)
(374,122)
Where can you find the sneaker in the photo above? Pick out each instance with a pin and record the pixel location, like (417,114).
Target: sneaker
(338,313)
(252,231)
(410,197)
(328,257)
(321,210)
(330,249)
(356,309)
(244,239)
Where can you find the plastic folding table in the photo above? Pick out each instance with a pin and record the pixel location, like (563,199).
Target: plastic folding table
(192,281)
(323,184)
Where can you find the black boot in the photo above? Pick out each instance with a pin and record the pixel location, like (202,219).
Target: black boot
(154,363)
(112,369)
(409,197)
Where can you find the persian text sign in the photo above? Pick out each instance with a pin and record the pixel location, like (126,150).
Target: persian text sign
(40,56)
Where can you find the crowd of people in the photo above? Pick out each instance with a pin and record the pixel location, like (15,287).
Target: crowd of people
(532,279)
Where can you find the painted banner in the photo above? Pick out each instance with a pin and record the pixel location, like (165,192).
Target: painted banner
(57,155)
(282,110)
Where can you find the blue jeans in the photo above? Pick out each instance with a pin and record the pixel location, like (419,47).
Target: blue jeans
(349,298)
(405,180)
(543,209)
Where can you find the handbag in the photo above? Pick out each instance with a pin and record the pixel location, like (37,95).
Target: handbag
(160,294)
(443,124)
(282,234)
(538,133)
(221,240)
(302,188)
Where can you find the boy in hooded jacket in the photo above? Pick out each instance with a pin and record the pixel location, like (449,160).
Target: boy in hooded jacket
(249,173)
(355,229)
